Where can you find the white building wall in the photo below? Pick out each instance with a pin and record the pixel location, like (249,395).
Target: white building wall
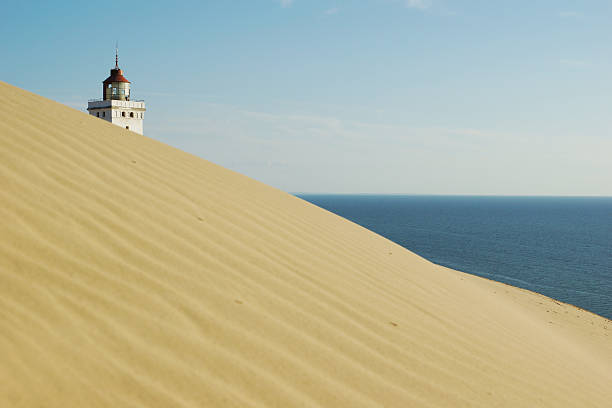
(118,113)
(134,124)
(102,114)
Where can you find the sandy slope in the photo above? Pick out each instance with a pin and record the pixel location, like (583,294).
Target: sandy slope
(135,275)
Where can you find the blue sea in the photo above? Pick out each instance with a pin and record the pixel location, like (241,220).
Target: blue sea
(558,246)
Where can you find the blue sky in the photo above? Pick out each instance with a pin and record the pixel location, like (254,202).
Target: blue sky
(369,96)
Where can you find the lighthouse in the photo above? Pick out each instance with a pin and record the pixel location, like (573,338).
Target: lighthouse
(117,105)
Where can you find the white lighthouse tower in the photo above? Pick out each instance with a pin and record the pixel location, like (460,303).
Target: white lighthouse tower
(116,105)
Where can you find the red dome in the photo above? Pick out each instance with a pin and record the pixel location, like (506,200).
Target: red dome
(116,76)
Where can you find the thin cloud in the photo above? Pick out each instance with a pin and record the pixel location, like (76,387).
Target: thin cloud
(569,14)
(575,63)
(310,152)
(333,10)
(286,3)
(418,4)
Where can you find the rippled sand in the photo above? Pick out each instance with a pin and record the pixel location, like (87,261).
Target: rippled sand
(136,275)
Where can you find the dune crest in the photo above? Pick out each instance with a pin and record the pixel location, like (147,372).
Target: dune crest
(133,274)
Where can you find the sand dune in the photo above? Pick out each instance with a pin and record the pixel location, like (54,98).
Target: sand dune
(133,274)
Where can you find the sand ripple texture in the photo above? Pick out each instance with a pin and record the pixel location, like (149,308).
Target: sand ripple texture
(133,274)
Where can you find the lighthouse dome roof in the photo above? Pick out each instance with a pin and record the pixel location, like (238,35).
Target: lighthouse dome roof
(116,75)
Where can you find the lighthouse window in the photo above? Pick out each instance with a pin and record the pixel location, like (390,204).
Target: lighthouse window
(98,114)
(123,114)
(131,114)
(103,114)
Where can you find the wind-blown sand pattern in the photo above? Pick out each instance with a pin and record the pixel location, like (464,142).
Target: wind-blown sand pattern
(133,274)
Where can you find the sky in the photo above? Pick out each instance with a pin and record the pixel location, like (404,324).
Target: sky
(368,96)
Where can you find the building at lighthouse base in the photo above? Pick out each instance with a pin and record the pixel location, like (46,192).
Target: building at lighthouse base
(127,114)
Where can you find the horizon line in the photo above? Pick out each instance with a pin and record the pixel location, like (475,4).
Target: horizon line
(462,195)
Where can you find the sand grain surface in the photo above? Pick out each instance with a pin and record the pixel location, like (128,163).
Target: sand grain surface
(133,274)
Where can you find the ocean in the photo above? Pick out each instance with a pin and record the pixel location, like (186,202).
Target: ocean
(557,246)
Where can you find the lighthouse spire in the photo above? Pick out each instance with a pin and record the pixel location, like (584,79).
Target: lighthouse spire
(117,55)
